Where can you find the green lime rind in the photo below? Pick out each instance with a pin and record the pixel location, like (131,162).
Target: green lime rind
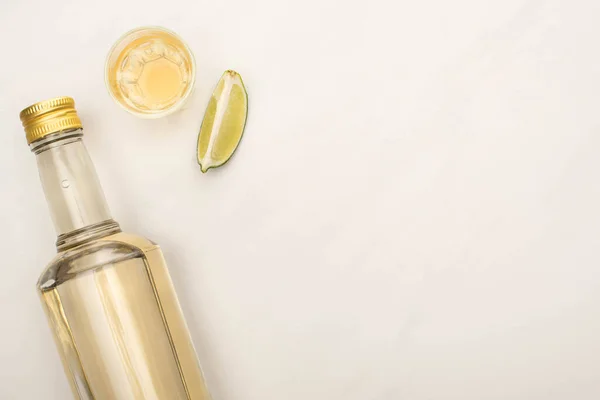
(223,123)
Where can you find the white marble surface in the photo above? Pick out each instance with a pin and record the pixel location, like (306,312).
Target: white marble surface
(413,213)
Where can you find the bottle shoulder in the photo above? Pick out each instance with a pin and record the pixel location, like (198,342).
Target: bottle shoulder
(92,255)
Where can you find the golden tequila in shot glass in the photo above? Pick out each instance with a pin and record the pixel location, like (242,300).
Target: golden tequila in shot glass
(150,72)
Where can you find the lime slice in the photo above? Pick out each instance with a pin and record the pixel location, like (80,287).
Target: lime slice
(223,124)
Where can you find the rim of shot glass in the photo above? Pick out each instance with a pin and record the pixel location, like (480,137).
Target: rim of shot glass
(175,107)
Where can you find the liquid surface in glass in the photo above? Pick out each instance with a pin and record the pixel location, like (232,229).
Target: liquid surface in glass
(150,71)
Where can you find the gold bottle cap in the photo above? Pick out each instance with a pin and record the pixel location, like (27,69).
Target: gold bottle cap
(49,116)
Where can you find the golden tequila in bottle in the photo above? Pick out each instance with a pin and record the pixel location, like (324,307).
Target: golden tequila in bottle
(108,296)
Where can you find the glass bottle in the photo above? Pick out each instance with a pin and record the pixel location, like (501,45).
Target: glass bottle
(108,296)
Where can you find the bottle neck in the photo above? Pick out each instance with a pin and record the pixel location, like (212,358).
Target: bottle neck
(74,195)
